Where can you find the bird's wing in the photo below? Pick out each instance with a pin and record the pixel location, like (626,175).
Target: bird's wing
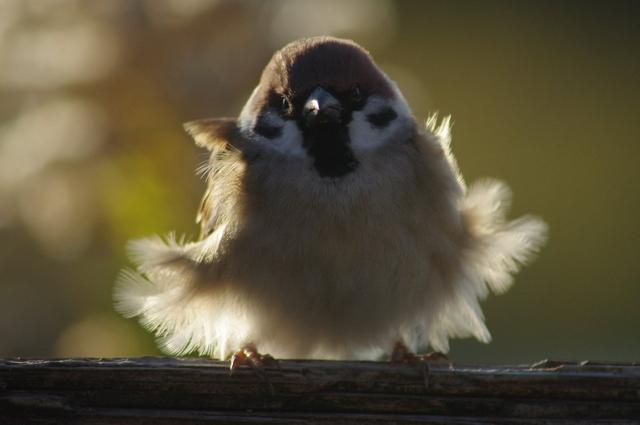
(203,218)
(216,133)
(491,247)
(222,137)
(213,209)
(169,288)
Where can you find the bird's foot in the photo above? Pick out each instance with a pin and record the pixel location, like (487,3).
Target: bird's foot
(402,354)
(249,356)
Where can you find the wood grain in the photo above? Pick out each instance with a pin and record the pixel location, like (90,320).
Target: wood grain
(199,391)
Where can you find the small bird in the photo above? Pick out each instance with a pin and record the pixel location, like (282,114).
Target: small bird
(333,226)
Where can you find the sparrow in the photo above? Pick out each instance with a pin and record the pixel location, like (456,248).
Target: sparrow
(333,226)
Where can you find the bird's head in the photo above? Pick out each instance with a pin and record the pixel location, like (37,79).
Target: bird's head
(324,99)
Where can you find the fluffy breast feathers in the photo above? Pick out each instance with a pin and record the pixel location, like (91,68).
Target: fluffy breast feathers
(308,267)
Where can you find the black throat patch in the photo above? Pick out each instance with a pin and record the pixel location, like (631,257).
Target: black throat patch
(328,145)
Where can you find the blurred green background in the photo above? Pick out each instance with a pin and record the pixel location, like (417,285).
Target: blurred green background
(545,95)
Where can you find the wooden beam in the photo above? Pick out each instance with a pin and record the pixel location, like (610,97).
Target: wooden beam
(199,391)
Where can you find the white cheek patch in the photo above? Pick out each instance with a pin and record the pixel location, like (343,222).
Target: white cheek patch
(366,137)
(288,141)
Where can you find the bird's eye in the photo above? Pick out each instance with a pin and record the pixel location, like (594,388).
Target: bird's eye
(356,94)
(285,104)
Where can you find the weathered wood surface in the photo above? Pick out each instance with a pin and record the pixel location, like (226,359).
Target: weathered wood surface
(196,391)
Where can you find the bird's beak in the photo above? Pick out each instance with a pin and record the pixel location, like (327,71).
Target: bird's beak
(322,108)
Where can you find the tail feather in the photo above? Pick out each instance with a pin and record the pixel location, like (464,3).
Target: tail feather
(163,284)
(496,249)
(507,249)
(166,275)
(169,293)
(155,256)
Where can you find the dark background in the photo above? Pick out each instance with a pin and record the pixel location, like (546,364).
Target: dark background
(544,95)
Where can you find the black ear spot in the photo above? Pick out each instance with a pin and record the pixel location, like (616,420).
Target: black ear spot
(267,130)
(382,118)
(215,133)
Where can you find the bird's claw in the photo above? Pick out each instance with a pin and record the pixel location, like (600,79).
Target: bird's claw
(249,356)
(402,354)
